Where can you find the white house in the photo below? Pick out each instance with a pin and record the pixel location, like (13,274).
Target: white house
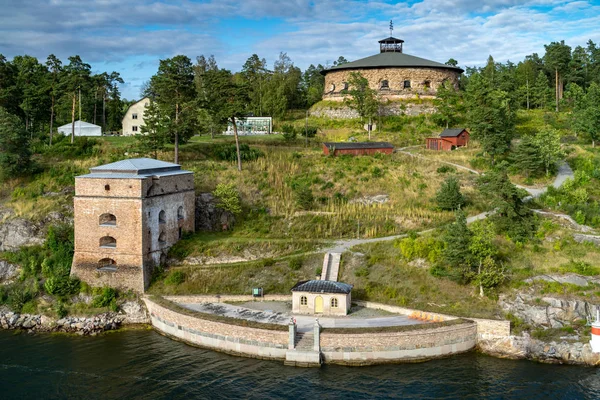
(321,297)
(134,117)
(81,129)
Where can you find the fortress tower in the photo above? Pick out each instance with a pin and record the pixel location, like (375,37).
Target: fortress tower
(127,215)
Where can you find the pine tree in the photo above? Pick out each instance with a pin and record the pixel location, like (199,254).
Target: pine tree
(541,90)
(15,157)
(547,140)
(527,158)
(457,239)
(449,196)
(154,136)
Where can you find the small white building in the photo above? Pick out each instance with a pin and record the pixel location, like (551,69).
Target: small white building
(134,117)
(81,129)
(321,297)
(251,126)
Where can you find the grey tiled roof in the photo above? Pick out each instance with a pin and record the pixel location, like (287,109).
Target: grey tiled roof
(454,132)
(391,59)
(322,287)
(359,145)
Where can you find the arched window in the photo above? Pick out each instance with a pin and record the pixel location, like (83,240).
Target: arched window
(107,264)
(332,87)
(180,212)
(107,219)
(427,84)
(334,303)
(162,219)
(162,238)
(406,84)
(346,87)
(385,84)
(303,301)
(108,242)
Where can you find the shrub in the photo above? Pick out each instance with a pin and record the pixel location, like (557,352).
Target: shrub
(228,152)
(295,263)
(229,198)
(62,285)
(445,169)
(175,278)
(449,196)
(60,309)
(289,132)
(105,298)
(304,197)
(268,262)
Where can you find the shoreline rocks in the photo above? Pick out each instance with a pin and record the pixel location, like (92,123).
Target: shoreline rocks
(131,313)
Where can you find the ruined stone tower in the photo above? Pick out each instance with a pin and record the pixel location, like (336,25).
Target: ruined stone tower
(127,215)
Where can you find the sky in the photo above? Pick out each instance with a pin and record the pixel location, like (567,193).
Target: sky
(131,36)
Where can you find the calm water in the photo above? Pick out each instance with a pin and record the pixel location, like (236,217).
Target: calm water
(145,365)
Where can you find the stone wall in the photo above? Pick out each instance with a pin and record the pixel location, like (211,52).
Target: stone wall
(393,108)
(226,298)
(234,339)
(377,348)
(335,81)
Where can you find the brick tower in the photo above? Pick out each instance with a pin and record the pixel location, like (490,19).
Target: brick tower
(127,215)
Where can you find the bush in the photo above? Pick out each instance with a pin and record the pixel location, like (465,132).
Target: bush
(229,198)
(304,197)
(62,285)
(268,262)
(449,196)
(445,169)
(60,309)
(106,298)
(289,132)
(175,278)
(228,152)
(295,263)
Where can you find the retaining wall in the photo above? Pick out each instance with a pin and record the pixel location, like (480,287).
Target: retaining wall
(226,298)
(233,339)
(390,347)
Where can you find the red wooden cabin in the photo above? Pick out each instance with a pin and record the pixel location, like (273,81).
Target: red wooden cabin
(357,149)
(449,140)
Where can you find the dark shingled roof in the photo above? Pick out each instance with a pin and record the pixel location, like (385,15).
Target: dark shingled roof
(391,39)
(391,59)
(322,287)
(359,145)
(454,132)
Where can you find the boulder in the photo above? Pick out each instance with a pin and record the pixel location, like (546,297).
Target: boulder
(8,272)
(209,217)
(18,232)
(135,313)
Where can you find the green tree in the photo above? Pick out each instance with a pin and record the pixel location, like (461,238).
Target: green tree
(55,68)
(527,158)
(491,114)
(452,62)
(449,196)
(340,61)
(557,59)
(228,198)
(541,90)
(547,140)
(173,89)
(482,248)
(76,79)
(362,98)
(15,157)
(255,74)
(226,101)
(154,133)
(586,116)
(457,238)
(511,215)
(448,104)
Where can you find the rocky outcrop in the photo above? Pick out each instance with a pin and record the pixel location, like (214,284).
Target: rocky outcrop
(370,200)
(525,347)
(547,312)
(8,272)
(209,217)
(18,232)
(579,238)
(131,312)
(395,108)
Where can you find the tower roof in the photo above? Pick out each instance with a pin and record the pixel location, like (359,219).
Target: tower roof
(391,39)
(135,168)
(391,59)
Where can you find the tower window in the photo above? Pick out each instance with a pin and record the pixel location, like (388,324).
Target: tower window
(180,212)
(345,86)
(334,303)
(108,242)
(406,84)
(162,219)
(332,87)
(427,84)
(107,220)
(385,84)
(107,264)
(303,301)
(106,187)
(162,238)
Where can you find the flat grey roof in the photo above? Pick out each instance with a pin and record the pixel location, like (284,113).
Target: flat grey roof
(135,168)
(392,59)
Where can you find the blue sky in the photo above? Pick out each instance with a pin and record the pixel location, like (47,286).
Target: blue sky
(130,36)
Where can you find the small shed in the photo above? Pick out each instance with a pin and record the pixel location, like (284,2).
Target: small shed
(321,297)
(81,129)
(357,149)
(449,139)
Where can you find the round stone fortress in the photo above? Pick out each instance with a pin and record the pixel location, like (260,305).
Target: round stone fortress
(392,73)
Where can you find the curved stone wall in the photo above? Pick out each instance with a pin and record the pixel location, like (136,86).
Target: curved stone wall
(393,347)
(335,81)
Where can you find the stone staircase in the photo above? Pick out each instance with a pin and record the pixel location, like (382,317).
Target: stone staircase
(303,354)
(331,267)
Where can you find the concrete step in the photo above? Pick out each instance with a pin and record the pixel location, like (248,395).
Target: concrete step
(331,267)
(304,341)
(326,264)
(298,358)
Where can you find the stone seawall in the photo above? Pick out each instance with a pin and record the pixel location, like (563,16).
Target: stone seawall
(391,347)
(233,339)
